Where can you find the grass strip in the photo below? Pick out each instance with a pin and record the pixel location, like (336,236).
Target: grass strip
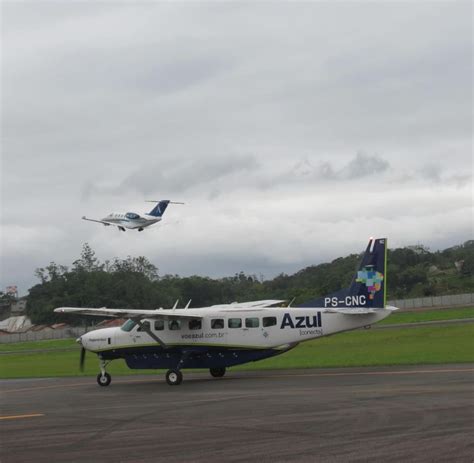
(38,345)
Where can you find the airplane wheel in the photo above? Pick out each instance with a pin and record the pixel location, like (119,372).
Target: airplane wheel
(174,377)
(217,372)
(104,380)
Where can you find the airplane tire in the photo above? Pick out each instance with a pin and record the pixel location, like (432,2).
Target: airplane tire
(217,372)
(104,380)
(174,377)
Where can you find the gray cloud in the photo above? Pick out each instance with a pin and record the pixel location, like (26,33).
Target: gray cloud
(362,165)
(178,177)
(271,121)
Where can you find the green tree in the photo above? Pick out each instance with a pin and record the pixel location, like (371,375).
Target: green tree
(88,262)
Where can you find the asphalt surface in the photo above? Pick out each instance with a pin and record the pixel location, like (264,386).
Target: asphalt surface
(419,413)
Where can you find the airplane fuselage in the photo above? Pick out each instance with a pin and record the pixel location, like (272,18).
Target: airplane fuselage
(130,220)
(222,337)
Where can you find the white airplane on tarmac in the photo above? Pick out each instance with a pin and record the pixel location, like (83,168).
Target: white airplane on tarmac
(132,220)
(222,336)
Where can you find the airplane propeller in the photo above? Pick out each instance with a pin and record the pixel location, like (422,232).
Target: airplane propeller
(82,359)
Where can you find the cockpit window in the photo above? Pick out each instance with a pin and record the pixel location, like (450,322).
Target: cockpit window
(128,325)
(132,216)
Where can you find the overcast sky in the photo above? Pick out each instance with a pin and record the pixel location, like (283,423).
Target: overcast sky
(293,131)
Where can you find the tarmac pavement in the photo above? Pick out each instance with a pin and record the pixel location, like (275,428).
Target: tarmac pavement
(416,413)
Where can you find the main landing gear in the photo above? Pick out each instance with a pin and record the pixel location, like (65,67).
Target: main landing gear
(217,372)
(174,377)
(140,229)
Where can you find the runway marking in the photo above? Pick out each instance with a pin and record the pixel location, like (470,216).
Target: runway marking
(17,417)
(277,375)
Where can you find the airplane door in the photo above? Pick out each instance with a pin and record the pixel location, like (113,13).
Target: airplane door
(139,336)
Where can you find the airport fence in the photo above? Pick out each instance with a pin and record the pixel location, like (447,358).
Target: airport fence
(43,335)
(453,300)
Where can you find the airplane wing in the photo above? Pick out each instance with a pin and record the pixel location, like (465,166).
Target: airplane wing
(250,304)
(98,221)
(263,303)
(126,313)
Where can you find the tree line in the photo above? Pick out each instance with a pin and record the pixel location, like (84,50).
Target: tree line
(135,282)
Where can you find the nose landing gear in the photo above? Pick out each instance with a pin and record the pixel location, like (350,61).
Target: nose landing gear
(103,378)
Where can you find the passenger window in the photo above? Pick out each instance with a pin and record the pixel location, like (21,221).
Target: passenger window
(269,321)
(195,324)
(146,326)
(251,323)
(174,325)
(234,323)
(217,323)
(159,325)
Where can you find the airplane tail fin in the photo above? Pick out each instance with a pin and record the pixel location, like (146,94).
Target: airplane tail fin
(161,206)
(159,209)
(368,288)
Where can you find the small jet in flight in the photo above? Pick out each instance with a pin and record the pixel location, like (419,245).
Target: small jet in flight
(135,221)
(221,336)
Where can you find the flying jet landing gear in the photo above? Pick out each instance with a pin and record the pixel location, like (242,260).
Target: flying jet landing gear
(103,378)
(174,377)
(121,229)
(217,372)
(140,229)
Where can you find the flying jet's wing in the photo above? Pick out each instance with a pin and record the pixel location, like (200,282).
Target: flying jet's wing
(126,313)
(103,222)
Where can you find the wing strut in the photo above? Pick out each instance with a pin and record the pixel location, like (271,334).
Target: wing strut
(148,331)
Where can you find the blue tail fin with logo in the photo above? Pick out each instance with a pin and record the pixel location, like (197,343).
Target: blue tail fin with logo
(160,208)
(368,287)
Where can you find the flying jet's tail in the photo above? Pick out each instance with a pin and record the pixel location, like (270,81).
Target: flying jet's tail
(160,208)
(368,288)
